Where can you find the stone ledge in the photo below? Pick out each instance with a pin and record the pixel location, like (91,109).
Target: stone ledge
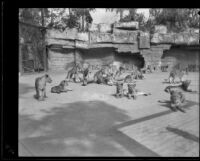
(97,37)
(183,38)
(127,25)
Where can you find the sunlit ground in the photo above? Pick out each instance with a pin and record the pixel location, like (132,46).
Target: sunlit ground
(90,121)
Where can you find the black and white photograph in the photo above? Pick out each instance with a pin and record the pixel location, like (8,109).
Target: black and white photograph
(108,82)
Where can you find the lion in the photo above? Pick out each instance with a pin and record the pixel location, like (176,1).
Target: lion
(62,87)
(40,86)
(119,89)
(176,73)
(177,100)
(184,87)
(131,90)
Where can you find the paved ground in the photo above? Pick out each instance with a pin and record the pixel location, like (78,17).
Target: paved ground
(90,121)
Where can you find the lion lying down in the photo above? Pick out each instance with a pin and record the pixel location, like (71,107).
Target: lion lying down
(62,87)
(132,92)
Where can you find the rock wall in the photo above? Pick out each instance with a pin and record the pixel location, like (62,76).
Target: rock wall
(31,48)
(129,60)
(60,59)
(98,57)
(183,56)
(153,55)
(104,43)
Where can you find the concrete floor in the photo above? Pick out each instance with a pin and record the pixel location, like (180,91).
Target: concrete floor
(90,121)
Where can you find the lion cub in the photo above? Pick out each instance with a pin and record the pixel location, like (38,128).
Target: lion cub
(119,89)
(177,99)
(184,87)
(62,87)
(40,86)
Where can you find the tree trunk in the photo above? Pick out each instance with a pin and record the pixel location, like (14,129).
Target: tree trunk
(121,15)
(83,17)
(42,16)
(75,56)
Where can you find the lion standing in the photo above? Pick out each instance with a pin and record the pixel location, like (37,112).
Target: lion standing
(40,86)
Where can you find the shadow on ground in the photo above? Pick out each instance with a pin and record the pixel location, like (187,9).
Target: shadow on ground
(166,103)
(183,134)
(75,129)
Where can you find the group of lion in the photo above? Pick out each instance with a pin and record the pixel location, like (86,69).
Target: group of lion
(177,96)
(110,75)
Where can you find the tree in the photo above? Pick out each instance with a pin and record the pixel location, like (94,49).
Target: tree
(84,15)
(118,10)
(193,17)
(132,16)
(175,19)
(35,16)
(29,15)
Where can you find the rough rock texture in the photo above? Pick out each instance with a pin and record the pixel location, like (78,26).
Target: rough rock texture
(81,44)
(60,58)
(66,34)
(31,48)
(184,56)
(127,25)
(133,48)
(128,60)
(78,56)
(94,27)
(83,36)
(105,27)
(160,29)
(159,38)
(98,56)
(102,45)
(144,40)
(122,38)
(125,36)
(184,38)
(97,37)
(153,55)
(69,43)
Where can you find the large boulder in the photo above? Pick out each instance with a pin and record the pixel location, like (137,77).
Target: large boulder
(192,30)
(61,42)
(57,34)
(158,38)
(160,29)
(124,36)
(186,38)
(144,40)
(96,37)
(132,48)
(183,38)
(82,36)
(81,44)
(127,25)
(105,28)
(94,27)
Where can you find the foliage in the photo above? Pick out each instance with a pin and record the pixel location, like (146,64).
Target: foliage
(84,15)
(175,19)
(59,18)
(34,16)
(118,10)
